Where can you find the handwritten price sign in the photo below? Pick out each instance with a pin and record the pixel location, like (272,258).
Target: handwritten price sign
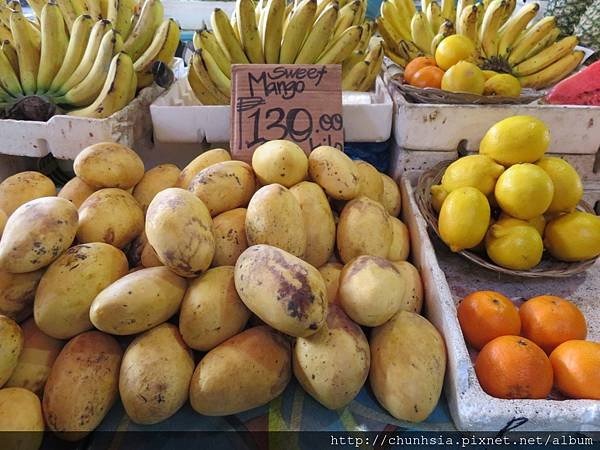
(300,103)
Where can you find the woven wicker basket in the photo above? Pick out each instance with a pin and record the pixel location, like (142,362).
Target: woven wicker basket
(549,267)
(437,96)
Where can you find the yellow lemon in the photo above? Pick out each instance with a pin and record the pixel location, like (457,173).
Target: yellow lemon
(463,77)
(464,218)
(453,49)
(502,84)
(539,222)
(487,74)
(514,247)
(524,191)
(568,189)
(438,195)
(574,236)
(515,140)
(478,171)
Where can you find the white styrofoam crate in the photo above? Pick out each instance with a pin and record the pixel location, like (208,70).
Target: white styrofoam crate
(178,117)
(65,136)
(574,129)
(447,278)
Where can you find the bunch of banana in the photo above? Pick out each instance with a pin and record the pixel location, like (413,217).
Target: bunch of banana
(506,40)
(89,68)
(274,32)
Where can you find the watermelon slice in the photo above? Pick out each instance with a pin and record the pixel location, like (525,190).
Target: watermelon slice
(583,88)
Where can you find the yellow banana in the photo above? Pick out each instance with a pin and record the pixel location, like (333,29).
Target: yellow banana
(205,94)
(5,15)
(10,52)
(221,81)
(68,12)
(402,62)
(297,29)
(550,39)
(115,92)
(434,16)
(345,18)
(510,31)
(460,6)
(357,75)
(9,80)
(203,74)
(449,10)
(54,46)
(365,37)
(37,6)
(467,25)
(209,42)
(272,31)
(375,60)
(133,87)
(392,16)
(248,30)
(89,88)
(510,7)
(120,13)
(421,32)
(225,36)
(533,35)
(103,8)
(98,31)
(196,39)
(554,72)
(388,33)
(342,47)
(446,29)
(28,53)
(162,48)
(409,49)
(546,57)
(424,5)
(359,17)
(5,34)
(14,5)
(80,7)
(75,50)
(352,60)
(233,21)
(318,36)
(151,16)
(492,21)
(406,7)
(94,9)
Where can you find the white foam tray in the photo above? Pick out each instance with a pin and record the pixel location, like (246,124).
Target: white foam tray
(178,117)
(448,278)
(65,136)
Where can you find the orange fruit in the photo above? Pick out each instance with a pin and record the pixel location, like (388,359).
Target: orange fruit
(549,321)
(428,76)
(514,367)
(576,367)
(415,65)
(486,315)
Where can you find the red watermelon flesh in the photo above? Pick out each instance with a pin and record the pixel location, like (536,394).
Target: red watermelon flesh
(583,88)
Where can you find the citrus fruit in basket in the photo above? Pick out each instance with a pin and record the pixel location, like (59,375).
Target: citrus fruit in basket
(514,247)
(464,218)
(573,237)
(478,171)
(429,76)
(438,195)
(549,321)
(486,315)
(464,77)
(539,222)
(487,74)
(524,191)
(515,140)
(513,367)
(568,189)
(576,366)
(453,49)
(415,65)
(502,84)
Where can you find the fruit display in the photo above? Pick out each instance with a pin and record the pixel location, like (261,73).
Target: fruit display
(495,37)
(526,351)
(513,202)
(582,88)
(271,32)
(83,60)
(267,270)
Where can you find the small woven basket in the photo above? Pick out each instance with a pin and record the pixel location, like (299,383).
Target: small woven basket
(548,267)
(439,97)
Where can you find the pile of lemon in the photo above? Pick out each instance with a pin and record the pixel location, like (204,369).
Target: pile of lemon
(535,194)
